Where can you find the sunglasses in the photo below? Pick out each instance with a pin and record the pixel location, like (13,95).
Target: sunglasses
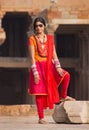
(39,25)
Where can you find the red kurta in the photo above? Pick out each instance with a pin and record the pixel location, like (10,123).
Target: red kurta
(49,78)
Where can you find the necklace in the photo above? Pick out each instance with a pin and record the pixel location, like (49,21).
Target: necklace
(42,45)
(42,40)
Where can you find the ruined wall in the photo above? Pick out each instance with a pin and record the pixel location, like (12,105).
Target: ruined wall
(58,8)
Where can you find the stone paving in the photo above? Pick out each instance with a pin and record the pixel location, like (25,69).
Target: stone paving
(31,123)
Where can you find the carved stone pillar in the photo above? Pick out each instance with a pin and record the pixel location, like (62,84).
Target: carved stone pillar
(2,32)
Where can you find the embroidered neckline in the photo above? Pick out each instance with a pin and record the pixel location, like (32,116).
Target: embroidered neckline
(41,47)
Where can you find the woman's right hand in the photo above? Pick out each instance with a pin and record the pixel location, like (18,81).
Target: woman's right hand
(60,71)
(36,78)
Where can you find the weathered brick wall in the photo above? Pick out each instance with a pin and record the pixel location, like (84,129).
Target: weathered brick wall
(60,9)
(68,13)
(70,9)
(25,4)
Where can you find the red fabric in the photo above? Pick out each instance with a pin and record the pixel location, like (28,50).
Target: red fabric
(41,87)
(65,84)
(49,80)
(39,103)
(53,95)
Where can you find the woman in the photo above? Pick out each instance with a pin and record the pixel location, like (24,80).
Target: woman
(46,73)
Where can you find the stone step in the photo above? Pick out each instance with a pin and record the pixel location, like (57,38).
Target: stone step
(20,110)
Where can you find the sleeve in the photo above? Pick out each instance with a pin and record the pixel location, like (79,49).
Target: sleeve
(30,41)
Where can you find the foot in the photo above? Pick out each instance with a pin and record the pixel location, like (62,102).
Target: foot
(68,98)
(41,121)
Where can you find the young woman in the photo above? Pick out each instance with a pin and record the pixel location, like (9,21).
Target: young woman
(46,73)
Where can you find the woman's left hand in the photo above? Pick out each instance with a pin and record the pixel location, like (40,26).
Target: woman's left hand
(60,71)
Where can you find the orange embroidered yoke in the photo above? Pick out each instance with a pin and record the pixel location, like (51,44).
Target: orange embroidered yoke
(39,55)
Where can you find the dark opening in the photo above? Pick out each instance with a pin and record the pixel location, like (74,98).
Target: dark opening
(13,81)
(13,88)
(67,46)
(15,26)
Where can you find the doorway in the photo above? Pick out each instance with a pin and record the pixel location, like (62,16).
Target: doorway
(13,81)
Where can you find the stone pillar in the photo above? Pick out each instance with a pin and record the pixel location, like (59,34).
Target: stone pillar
(2,32)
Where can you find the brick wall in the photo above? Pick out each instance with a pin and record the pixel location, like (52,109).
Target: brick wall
(61,9)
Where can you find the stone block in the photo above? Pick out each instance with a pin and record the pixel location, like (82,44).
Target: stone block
(72,112)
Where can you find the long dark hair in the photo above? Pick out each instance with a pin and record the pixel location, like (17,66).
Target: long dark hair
(39,19)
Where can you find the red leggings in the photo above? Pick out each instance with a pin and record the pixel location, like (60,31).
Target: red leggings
(40,106)
(64,83)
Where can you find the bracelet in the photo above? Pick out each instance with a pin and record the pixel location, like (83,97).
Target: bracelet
(35,73)
(33,66)
(57,63)
(34,69)
(58,66)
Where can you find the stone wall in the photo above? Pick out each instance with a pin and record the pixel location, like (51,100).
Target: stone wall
(21,110)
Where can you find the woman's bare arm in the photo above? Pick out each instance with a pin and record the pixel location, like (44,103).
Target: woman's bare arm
(31,54)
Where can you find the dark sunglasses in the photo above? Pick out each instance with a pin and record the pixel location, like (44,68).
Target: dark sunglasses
(39,25)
